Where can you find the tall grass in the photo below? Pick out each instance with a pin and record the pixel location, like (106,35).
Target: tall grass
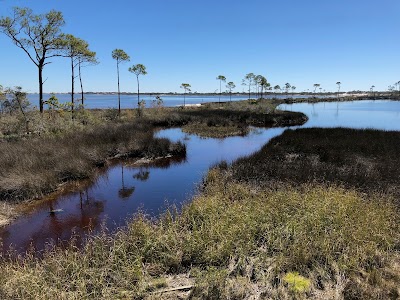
(235,241)
(35,166)
(367,160)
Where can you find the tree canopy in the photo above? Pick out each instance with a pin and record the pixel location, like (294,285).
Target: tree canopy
(37,35)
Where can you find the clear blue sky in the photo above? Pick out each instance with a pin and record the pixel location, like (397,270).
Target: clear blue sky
(300,42)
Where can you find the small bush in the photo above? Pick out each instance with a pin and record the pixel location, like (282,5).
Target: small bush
(297,283)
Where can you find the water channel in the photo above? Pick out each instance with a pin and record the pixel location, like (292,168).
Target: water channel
(125,188)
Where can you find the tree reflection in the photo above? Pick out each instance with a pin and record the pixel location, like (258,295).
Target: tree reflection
(337,110)
(125,192)
(143,174)
(314,112)
(60,224)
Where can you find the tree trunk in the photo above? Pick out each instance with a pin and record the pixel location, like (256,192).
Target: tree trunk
(138,97)
(219,99)
(249,90)
(72,87)
(119,99)
(138,100)
(80,80)
(40,67)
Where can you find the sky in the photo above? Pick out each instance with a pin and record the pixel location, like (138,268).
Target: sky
(193,41)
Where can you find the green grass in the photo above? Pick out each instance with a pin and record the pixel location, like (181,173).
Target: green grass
(297,284)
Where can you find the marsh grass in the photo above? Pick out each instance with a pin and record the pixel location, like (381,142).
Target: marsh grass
(206,131)
(234,241)
(7,213)
(314,202)
(35,166)
(366,160)
(226,119)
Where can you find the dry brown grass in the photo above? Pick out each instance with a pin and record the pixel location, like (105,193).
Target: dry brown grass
(7,213)
(203,130)
(366,160)
(35,166)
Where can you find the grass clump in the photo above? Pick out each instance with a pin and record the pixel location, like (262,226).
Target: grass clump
(226,119)
(297,284)
(204,130)
(232,239)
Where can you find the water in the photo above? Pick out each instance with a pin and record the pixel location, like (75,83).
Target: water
(124,188)
(377,114)
(103,101)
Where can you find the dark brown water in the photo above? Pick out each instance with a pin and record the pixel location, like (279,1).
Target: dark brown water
(125,188)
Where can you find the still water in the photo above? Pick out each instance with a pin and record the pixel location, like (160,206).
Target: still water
(377,114)
(104,101)
(124,188)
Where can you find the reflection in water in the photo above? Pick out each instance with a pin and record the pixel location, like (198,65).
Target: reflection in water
(53,225)
(125,192)
(337,110)
(142,175)
(314,113)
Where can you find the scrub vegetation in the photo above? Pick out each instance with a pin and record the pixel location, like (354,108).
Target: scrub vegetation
(224,119)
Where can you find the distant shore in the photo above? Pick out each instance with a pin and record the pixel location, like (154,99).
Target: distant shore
(390,95)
